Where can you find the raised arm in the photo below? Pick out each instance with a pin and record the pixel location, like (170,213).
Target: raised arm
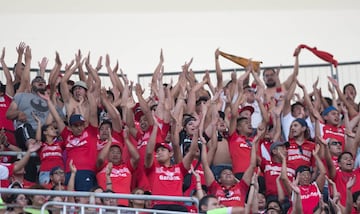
(329,162)
(252,201)
(235,113)
(117,85)
(284,177)
(287,99)
(42,66)
(177,115)
(134,154)
(219,76)
(276,113)
(349,196)
(38,129)
(189,157)
(33,146)
(71,182)
(294,74)
(104,153)
(149,155)
(60,123)
(64,88)
(255,144)
(25,77)
(157,72)
(307,101)
(9,84)
(351,109)
(191,102)
(353,145)
(297,204)
(209,176)
(80,63)
(112,111)
(143,104)
(320,180)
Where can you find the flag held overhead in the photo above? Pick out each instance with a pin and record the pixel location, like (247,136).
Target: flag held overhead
(241,61)
(321,54)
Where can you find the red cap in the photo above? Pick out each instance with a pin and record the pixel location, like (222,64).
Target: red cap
(118,144)
(165,145)
(246,108)
(137,112)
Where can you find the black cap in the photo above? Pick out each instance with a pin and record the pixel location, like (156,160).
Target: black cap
(302,168)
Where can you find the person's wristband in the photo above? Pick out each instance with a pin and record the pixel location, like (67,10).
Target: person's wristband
(109,183)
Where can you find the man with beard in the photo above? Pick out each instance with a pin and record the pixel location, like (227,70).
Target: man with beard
(21,110)
(272,81)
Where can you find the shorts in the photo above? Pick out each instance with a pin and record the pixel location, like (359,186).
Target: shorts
(84,180)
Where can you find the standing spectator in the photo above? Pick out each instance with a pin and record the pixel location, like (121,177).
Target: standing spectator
(50,153)
(79,142)
(300,149)
(6,95)
(21,109)
(167,179)
(121,172)
(228,190)
(310,192)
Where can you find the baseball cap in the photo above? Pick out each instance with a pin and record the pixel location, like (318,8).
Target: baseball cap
(138,112)
(279,143)
(81,84)
(246,108)
(165,145)
(302,122)
(118,144)
(76,118)
(327,110)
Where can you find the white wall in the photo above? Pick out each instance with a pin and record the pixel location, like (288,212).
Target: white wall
(134,31)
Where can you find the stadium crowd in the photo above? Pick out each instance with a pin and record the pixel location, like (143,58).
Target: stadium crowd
(249,144)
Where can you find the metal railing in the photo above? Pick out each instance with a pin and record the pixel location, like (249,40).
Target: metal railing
(85,208)
(93,195)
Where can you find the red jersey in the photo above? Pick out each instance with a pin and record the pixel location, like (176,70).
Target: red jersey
(5,102)
(117,137)
(300,155)
(310,197)
(341,178)
(271,171)
(166,180)
(50,156)
(120,177)
(334,132)
(234,196)
(192,187)
(240,152)
(81,149)
(264,149)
